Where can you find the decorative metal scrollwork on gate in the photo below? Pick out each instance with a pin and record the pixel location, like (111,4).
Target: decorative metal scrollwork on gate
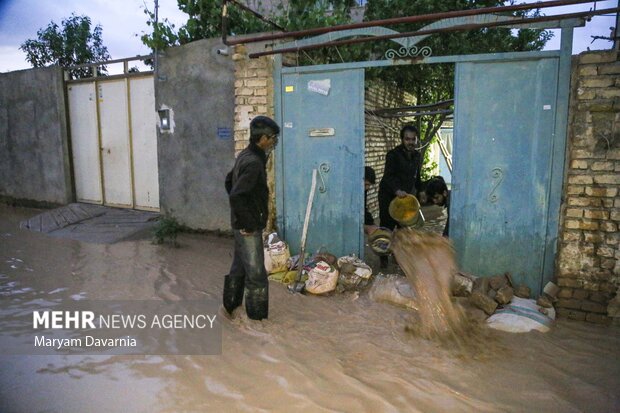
(323,170)
(412,51)
(498,176)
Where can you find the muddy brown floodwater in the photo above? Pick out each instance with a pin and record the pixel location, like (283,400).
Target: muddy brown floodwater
(314,354)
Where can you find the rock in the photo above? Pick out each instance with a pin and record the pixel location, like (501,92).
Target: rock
(551,290)
(491,293)
(481,284)
(522,291)
(462,286)
(482,301)
(613,309)
(544,301)
(509,279)
(504,295)
(498,282)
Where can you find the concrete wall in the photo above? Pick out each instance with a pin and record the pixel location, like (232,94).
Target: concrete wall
(197,84)
(34,149)
(588,265)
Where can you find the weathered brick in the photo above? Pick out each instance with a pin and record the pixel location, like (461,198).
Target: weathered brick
(591,285)
(571,224)
(597,57)
(571,236)
(571,314)
(605,251)
(579,201)
(579,164)
(256,82)
(588,70)
(607,93)
(592,237)
(593,214)
(598,319)
(612,239)
(580,294)
(570,303)
(565,293)
(607,179)
(575,189)
(574,212)
(615,215)
(589,225)
(613,154)
(585,154)
(601,191)
(570,282)
(586,94)
(602,166)
(580,180)
(244,91)
(609,263)
(599,297)
(604,69)
(597,81)
(609,226)
(593,307)
(607,203)
(260,100)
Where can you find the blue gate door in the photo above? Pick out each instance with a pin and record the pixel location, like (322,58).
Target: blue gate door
(323,129)
(503,148)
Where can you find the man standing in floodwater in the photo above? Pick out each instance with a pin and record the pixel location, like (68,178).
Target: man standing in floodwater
(248,194)
(403,166)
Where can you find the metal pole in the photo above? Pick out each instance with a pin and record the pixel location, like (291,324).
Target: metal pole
(408,19)
(617,30)
(462,27)
(155,30)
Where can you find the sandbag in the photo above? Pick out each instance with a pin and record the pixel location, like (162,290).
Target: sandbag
(276,254)
(394,290)
(354,273)
(322,279)
(520,316)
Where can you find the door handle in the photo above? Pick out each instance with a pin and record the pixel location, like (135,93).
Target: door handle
(323,170)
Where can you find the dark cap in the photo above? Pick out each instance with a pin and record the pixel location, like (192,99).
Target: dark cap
(260,122)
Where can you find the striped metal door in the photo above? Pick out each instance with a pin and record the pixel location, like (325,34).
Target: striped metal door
(503,152)
(323,129)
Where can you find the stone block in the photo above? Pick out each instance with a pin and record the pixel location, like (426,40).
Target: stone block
(574,212)
(504,295)
(575,189)
(571,236)
(565,293)
(580,294)
(609,179)
(483,302)
(596,82)
(592,237)
(481,284)
(570,303)
(615,215)
(571,314)
(597,57)
(607,93)
(607,203)
(608,264)
(593,307)
(579,164)
(595,214)
(591,285)
(462,286)
(586,94)
(598,319)
(601,191)
(613,154)
(570,282)
(544,301)
(599,297)
(612,239)
(523,291)
(589,225)
(588,70)
(604,69)
(603,166)
(580,180)
(586,154)
(498,281)
(605,251)
(609,226)
(256,82)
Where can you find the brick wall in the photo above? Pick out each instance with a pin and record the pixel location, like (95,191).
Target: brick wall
(588,269)
(254,96)
(382,133)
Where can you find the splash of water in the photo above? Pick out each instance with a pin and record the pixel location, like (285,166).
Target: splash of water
(427,260)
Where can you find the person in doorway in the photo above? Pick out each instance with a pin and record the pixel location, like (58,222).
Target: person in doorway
(403,166)
(438,193)
(369,180)
(248,194)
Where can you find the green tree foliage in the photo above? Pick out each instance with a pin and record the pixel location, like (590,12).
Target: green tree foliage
(204,19)
(77,42)
(434,83)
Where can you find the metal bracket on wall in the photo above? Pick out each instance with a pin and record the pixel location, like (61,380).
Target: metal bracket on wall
(323,169)
(498,176)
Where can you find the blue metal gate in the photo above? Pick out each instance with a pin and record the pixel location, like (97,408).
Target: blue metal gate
(323,129)
(504,133)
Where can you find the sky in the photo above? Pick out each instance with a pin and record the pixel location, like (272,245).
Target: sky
(123,21)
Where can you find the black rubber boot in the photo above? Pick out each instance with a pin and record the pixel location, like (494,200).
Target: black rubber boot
(257,303)
(233,292)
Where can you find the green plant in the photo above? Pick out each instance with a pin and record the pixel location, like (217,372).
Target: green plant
(167,229)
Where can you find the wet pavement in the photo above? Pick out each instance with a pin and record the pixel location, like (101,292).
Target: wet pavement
(342,353)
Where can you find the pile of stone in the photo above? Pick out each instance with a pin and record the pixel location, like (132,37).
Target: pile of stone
(490,293)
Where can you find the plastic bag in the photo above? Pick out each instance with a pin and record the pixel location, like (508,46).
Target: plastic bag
(322,279)
(276,254)
(354,273)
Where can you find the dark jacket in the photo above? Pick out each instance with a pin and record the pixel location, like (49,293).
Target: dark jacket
(402,171)
(247,190)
